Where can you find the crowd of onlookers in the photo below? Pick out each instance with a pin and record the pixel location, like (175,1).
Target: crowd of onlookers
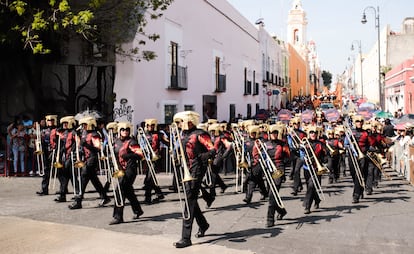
(20,144)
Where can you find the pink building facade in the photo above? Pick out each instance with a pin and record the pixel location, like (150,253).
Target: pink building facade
(399,87)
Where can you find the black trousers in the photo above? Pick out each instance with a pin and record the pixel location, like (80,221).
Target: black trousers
(192,190)
(333,166)
(297,181)
(65,174)
(149,185)
(88,173)
(216,180)
(358,189)
(255,178)
(311,193)
(126,190)
(273,205)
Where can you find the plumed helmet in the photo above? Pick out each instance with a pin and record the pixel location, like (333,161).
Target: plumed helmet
(357,118)
(190,116)
(211,121)
(125,125)
(214,129)
(202,126)
(70,120)
(295,120)
(151,121)
(89,121)
(330,131)
(51,118)
(280,128)
(311,128)
(253,129)
(112,126)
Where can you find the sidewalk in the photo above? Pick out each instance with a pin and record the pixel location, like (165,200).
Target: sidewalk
(19,235)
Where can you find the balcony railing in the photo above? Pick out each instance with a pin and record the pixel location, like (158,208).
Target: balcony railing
(179,80)
(220,83)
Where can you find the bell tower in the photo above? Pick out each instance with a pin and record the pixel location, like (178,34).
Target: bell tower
(297,22)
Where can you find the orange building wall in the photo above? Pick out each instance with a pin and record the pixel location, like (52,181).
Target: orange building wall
(297,65)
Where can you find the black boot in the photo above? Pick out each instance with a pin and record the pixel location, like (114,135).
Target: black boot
(183,243)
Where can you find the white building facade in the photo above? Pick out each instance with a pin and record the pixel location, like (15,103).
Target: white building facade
(208,60)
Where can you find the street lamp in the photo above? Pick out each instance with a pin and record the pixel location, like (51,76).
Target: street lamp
(377,26)
(360,58)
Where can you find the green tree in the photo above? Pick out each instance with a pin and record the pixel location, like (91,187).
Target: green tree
(327,78)
(40,26)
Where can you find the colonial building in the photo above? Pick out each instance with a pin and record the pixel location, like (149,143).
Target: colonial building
(210,59)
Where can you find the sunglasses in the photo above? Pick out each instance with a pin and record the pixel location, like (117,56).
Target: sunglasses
(312,132)
(123,129)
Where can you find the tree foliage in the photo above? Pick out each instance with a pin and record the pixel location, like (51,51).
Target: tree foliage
(39,26)
(327,78)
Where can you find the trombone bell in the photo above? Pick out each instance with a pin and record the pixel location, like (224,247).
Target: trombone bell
(277,174)
(79,164)
(118,174)
(58,165)
(37,152)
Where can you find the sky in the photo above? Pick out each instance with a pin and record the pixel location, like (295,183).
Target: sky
(334,25)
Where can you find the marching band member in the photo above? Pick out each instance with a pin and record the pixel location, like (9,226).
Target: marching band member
(198,149)
(68,135)
(47,146)
(333,146)
(154,140)
(90,146)
(276,148)
(255,174)
(361,137)
(127,153)
(224,147)
(297,162)
(317,147)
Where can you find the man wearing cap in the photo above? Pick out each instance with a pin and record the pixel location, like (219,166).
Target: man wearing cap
(294,139)
(198,150)
(361,137)
(48,135)
(127,152)
(68,145)
(255,174)
(90,143)
(154,140)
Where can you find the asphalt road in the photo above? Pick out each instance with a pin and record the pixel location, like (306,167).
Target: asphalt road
(381,223)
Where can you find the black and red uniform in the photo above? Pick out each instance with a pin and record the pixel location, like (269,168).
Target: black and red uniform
(127,153)
(297,162)
(90,147)
(47,135)
(311,192)
(278,150)
(254,176)
(149,184)
(333,158)
(198,149)
(68,145)
(361,137)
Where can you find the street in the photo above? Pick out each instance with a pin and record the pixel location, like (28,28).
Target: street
(381,223)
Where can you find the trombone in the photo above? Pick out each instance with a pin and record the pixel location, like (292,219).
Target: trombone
(78,164)
(179,162)
(39,152)
(309,154)
(270,171)
(116,173)
(149,154)
(241,164)
(355,154)
(379,162)
(56,164)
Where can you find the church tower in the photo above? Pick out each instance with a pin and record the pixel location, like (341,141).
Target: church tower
(296,30)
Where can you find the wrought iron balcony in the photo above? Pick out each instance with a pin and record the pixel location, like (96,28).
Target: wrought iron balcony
(178,78)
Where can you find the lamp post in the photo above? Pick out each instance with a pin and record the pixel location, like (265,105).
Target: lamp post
(360,58)
(377,26)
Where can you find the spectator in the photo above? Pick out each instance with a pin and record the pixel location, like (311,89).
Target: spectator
(31,139)
(388,130)
(19,147)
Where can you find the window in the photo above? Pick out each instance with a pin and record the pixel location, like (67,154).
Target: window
(169,112)
(247,84)
(188,107)
(178,74)
(249,111)
(220,79)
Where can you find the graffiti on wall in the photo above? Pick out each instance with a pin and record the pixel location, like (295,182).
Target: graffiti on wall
(124,110)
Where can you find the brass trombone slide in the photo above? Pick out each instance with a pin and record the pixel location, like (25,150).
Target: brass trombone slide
(270,171)
(148,152)
(241,164)
(39,152)
(179,163)
(115,173)
(56,164)
(355,154)
(309,154)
